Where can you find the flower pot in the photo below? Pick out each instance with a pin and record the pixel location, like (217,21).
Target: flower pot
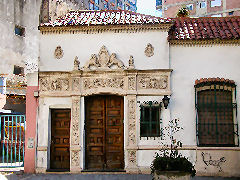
(171,175)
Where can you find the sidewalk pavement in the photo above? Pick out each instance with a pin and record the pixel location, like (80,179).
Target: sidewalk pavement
(89,176)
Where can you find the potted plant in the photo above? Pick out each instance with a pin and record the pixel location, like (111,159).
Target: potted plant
(169,163)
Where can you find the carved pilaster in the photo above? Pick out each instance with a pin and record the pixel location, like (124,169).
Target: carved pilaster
(132,139)
(75,135)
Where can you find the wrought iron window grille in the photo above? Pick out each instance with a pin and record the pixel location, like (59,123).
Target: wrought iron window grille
(150,121)
(216,112)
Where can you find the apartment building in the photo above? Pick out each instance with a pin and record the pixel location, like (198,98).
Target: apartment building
(200,8)
(51,9)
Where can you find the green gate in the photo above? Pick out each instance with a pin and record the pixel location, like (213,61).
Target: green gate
(12,137)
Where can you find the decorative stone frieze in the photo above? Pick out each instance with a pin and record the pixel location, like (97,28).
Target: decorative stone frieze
(103,61)
(89,83)
(122,82)
(54,84)
(58,53)
(152,82)
(149,50)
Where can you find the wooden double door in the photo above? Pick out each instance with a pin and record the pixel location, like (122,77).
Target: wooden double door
(104,133)
(60,135)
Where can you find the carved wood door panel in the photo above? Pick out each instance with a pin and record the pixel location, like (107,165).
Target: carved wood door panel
(104,133)
(60,135)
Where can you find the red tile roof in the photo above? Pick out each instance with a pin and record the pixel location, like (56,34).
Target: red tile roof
(105,17)
(205,28)
(204,81)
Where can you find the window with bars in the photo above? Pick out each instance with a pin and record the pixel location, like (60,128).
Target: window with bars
(150,119)
(216,111)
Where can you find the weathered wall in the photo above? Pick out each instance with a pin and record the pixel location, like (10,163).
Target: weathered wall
(123,44)
(14,49)
(189,64)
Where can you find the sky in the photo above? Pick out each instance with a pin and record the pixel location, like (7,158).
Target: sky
(147,7)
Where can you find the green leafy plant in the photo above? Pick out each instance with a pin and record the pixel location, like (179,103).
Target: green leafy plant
(169,159)
(183,12)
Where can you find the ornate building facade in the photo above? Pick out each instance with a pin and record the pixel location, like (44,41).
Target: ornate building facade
(51,9)
(102,79)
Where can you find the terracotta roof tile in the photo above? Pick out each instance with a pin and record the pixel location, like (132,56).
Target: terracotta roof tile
(204,81)
(205,28)
(105,17)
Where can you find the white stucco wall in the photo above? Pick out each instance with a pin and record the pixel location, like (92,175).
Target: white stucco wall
(191,63)
(123,44)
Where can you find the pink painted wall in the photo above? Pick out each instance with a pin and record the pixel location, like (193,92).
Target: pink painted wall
(31,114)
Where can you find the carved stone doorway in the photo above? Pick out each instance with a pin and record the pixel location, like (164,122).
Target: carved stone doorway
(104,133)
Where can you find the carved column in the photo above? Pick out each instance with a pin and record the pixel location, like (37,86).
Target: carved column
(75,147)
(131,136)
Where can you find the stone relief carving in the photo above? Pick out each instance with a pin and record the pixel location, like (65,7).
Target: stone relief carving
(75,158)
(89,83)
(131,63)
(132,121)
(75,139)
(131,83)
(151,82)
(58,53)
(132,158)
(208,161)
(76,84)
(76,64)
(54,84)
(149,50)
(103,61)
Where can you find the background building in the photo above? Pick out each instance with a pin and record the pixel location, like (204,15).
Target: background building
(51,9)
(200,8)
(19,53)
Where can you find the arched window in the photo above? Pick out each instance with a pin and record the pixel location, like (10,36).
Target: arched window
(216,112)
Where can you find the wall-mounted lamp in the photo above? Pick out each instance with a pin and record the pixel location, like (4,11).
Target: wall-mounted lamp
(165,101)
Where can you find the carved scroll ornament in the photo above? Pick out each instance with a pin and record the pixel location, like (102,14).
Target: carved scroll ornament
(103,61)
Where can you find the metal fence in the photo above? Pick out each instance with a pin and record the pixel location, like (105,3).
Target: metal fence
(12,138)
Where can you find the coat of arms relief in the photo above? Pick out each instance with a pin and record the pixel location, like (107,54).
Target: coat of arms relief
(103,61)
